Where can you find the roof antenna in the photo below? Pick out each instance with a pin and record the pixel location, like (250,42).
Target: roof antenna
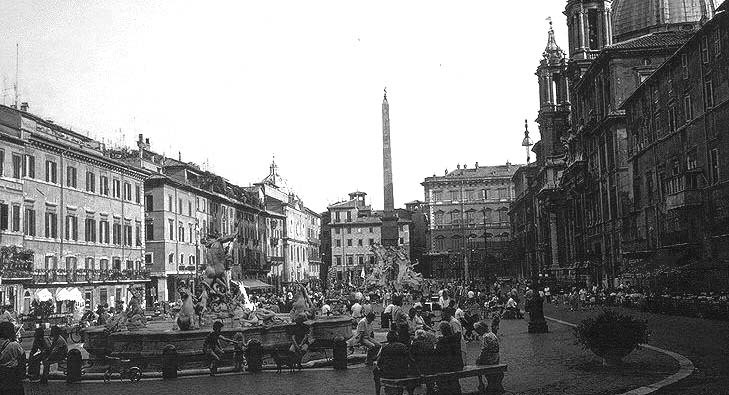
(17,67)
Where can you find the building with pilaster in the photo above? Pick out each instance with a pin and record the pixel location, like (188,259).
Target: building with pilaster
(677,148)
(468,217)
(77,209)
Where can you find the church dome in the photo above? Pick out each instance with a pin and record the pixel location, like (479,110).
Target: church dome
(632,18)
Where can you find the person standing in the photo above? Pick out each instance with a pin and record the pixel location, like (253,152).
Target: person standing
(400,321)
(12,361)
(38,352)
(57,352)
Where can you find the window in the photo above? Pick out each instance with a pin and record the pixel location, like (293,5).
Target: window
(90,230)
(717,41)
(171,229)
(127,191)
(148,258)
(349,242)
(179,207)
(336,216)
(708,94)
(189,208)
(103,296)
(360,242)
(116,188)
(170,204)
(339,261)
(337,231)
(104,231)
(592,29)
(338,242)
(51,172)
(370,229)
(137,193)
(714,165)
(90,182)
(456,195)
(16,218)
(116,233)
(17,166)
(360,259)
(181,232)
(149,203)
(705,49)
(437,196)
(127,234)
(148,230)
(89,264)
(349,231)
(51,230)
(349,216)
(104,185)
(29,222)
(350,260)
(688,109)
(103,265)
(672,120)
(684,66)
(71,176)
(29,166)
(2,162)
(116,265)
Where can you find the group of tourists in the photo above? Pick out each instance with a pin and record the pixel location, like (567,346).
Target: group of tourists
(415,348)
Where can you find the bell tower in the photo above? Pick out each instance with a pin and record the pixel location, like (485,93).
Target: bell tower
(554,103)
(590,27)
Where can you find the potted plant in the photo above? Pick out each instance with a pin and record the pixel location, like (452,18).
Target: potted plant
(611,335)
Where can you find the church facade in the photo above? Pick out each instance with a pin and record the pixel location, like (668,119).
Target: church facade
(574,204)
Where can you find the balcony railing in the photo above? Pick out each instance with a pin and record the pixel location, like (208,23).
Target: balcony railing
(88,275)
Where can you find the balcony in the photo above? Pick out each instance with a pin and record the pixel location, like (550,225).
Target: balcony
(685,198)
(44,276)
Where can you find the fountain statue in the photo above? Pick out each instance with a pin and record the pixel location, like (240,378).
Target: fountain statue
(393,268)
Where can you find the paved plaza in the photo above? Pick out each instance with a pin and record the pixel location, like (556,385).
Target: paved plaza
(538,364)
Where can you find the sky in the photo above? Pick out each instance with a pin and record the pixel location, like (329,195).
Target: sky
(231,84)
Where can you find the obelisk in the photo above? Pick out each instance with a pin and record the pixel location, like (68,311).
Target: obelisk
(389,232)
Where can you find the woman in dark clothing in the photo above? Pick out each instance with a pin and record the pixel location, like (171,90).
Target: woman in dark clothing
(448,349)
(422,353)
(38,351)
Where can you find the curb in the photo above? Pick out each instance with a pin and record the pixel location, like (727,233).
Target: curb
(685,367)
(354,361)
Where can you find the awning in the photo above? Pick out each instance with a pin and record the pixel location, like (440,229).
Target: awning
(255,284)
(43,295)
(71,293)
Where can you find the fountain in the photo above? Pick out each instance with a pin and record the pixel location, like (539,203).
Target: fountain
(130,336)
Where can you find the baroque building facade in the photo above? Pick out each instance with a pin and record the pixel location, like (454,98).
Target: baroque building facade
(77,209)
(613,48)
(677,123)
(467,213)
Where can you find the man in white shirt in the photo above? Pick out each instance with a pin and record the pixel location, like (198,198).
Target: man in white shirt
(356,310)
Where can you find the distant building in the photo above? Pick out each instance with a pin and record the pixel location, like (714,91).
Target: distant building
(677,155)
(79,211)
(415,212)
(468,212)
(355,228)
(184,206)
(298,238)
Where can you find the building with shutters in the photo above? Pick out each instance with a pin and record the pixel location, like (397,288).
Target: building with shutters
(77,209)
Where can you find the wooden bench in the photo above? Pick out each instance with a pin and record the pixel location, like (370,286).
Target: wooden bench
(494,374)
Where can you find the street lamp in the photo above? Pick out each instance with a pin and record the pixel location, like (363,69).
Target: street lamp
(526,142)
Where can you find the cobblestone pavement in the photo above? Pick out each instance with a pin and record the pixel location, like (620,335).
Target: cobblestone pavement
(538,364)
(704,342)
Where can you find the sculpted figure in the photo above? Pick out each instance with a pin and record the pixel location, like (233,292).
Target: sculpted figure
(187,311)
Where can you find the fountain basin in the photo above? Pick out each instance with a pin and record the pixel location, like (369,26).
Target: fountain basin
(148,343)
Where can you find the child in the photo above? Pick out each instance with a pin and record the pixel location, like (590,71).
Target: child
(238,352)
(495,320)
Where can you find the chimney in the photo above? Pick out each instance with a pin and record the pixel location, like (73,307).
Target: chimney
(179,156)
(477,165)
(458,166)
(465,166)
(141,138)
(446,171)
(24,106)
(146,141)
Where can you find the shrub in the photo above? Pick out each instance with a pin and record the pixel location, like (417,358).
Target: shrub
(611,333)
